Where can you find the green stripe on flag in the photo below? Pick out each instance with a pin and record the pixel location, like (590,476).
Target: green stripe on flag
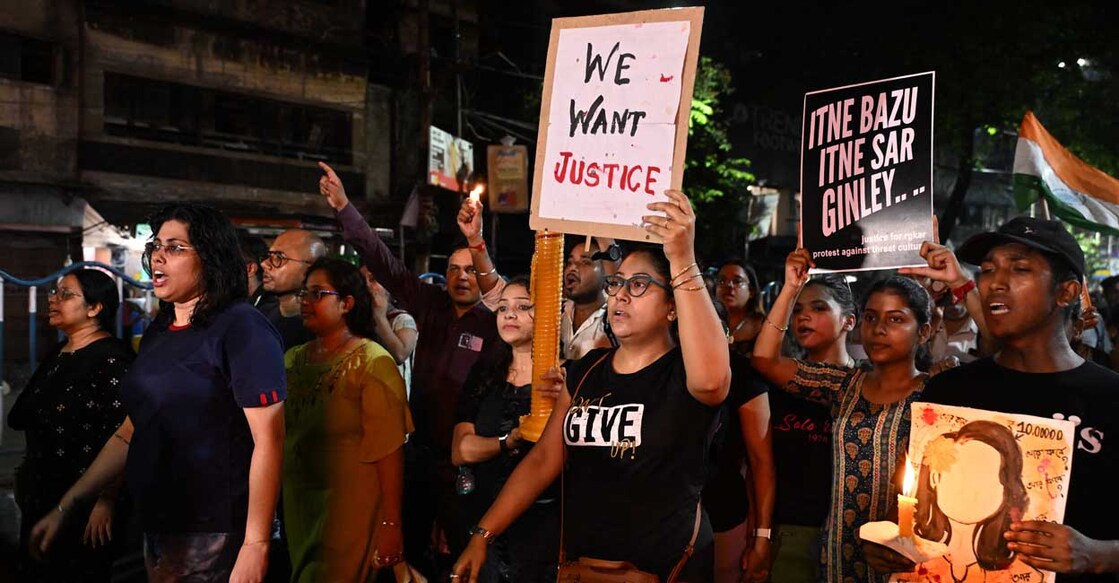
(1029,189)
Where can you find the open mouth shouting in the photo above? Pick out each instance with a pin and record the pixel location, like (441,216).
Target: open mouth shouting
(159,279)
(998,308)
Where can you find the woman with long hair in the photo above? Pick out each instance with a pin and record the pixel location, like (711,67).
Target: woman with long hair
(488,441)
(202,443)
(68,409)
(869,408)
(634,423)
(347,418)
(824,313)
(739,294)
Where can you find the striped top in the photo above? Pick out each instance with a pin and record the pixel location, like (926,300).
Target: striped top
(868,442)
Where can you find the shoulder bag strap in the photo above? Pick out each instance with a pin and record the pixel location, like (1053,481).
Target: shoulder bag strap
(688,550)
(563,470)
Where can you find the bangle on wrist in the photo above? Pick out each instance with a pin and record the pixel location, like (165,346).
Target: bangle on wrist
(485,273)
(776,327)
(683,271)
(255,542)
(765,533)
(686,280)
(486,535)
(481,246)
(389,523)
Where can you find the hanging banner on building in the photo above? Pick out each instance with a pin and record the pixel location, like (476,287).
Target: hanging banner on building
(613,120)
(450,160)
(508,178)
(866,174)
(976,472)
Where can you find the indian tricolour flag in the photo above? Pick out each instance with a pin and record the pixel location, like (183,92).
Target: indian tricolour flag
(1076,192)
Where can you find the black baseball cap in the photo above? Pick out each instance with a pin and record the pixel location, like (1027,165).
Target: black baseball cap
(1043,235)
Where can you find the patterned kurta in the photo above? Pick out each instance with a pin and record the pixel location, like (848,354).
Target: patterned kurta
(868,441)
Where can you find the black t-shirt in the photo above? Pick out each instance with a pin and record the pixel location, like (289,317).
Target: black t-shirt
(724,497)
(802,457)
(291,329)
(188,464)
(637,448)
(1087,395)
(494,411)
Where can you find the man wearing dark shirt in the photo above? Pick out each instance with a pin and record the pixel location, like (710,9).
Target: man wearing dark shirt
(284,269)
(1029,285)
(455,329)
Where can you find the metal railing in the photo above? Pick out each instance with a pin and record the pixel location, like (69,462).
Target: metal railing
(32,309)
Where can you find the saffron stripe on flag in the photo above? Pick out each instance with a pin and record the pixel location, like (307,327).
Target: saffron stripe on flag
(1076,192)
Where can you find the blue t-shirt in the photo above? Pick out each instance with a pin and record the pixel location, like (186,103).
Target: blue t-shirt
(188,464)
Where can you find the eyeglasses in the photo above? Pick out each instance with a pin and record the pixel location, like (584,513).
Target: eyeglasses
(173,250)
(733,282)
(277,259)
(315,295)
(62,294)
(636,286)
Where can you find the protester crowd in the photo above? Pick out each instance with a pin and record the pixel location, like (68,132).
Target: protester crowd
(294,416)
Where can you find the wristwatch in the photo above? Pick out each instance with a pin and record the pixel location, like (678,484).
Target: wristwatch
(613,253)
(763,533)
(502,443)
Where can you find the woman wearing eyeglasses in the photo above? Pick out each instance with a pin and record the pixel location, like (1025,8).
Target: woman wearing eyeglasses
(633,423)
(202,443)
(347,418)
(488,444)
(738,292)
(68,409)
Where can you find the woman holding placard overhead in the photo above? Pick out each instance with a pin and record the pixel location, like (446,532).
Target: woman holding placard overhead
(869,409)
(631,487)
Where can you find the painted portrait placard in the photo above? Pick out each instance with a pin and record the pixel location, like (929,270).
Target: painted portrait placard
(978,471)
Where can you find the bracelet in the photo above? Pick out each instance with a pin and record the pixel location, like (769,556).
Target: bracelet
(485,273)
(389,523)
(61,510)
(683,271)
(479,247)
(693,288)
(486,535)
(776,327)
(256,542)
(686,280)
(959,293)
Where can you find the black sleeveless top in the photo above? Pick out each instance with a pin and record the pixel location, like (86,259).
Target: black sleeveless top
(636,463)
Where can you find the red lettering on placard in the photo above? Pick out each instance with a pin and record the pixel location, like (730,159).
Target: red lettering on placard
(631,177)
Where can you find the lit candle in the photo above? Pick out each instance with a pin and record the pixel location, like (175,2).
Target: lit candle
(476,194)
(907,505)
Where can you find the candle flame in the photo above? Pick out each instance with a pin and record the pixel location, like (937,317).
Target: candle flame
(476,194)
(910,478)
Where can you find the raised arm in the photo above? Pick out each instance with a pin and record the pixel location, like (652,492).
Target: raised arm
(767,358)
(470,224)
(386,267)
(944,267)
(706,358)
(400,341)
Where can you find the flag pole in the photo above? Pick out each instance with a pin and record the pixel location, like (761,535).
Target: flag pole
(1044,207)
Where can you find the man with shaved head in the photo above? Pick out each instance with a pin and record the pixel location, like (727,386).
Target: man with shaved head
(284,269)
